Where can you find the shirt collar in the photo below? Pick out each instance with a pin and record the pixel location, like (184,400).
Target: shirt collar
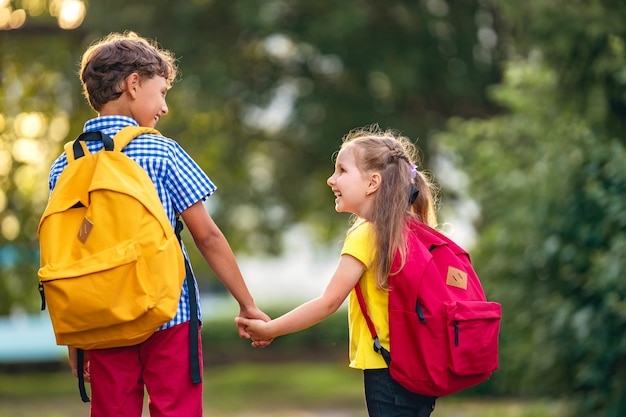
(109,122)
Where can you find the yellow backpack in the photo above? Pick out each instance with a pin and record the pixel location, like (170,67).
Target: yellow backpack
(112,268)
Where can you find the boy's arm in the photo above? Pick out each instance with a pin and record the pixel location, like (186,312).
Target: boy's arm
(212,244)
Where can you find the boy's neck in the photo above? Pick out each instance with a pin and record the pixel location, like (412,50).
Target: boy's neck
(118,107)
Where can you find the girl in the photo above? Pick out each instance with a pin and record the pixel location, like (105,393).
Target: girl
(376,180)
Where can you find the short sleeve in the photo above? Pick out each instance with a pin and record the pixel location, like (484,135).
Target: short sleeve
(186,181)
(360,243)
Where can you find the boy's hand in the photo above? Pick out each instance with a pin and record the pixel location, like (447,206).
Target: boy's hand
(72,357)
(256,315)
(256,330)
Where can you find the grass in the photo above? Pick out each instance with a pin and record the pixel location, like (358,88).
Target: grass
(265,387)
(256,390)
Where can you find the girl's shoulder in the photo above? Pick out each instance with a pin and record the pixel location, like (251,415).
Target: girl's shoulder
(361,227)
(359,232)
(360,243)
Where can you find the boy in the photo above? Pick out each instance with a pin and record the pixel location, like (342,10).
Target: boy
(125,79)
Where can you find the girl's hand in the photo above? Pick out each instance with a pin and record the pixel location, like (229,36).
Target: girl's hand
(252,314)
(257,331)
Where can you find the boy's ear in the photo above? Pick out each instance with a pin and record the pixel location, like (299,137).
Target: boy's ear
(374,184)
(130,84)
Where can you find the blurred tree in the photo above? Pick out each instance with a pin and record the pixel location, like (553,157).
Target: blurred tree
(273,86)
(549,178)
(268,89)
(36,99)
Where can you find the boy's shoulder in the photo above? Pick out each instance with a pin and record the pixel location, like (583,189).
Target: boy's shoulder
(153,140)
(146,142)
(146,145)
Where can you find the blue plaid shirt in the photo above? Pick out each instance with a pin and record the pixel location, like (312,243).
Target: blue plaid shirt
(179,181)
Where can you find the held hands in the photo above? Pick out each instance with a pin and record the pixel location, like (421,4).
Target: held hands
(254,329)
(252,316)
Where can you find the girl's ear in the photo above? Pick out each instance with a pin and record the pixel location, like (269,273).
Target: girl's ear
(374,184)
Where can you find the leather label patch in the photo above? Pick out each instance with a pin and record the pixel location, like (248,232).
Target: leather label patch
(456,278)
(85,229)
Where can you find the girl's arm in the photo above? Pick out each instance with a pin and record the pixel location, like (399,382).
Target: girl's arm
(346,276)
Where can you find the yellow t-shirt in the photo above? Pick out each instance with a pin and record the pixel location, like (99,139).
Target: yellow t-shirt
(360,243)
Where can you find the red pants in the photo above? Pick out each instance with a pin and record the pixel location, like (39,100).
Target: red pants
(161,364)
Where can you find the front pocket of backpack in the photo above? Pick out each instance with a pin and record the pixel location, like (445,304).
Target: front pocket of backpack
(473,329)
(101,290)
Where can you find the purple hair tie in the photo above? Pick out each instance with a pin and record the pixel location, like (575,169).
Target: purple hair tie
(413,171)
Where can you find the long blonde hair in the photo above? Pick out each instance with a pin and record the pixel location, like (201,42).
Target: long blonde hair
(394,157)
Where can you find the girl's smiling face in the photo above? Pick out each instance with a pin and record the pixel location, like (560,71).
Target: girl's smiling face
(350,186)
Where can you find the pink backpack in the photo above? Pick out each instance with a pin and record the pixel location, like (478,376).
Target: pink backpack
(443,332)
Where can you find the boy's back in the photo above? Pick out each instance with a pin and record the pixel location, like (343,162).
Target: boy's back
(126,79)
(112,266)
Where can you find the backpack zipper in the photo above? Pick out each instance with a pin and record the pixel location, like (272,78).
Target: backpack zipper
(43,296)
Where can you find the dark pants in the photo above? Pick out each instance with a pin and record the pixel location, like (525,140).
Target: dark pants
(386,398)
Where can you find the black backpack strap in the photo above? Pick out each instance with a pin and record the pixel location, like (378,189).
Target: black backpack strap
(194,355)
(80,361)
(106,140)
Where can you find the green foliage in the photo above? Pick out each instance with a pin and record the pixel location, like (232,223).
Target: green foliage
(546,172)
(326,341)
(334,67)
(551,187)
(34,99)
(585,43)
(407,65)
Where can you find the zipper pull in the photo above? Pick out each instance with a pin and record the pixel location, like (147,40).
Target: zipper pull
(43,296)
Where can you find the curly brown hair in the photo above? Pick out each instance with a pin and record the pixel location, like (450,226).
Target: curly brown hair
(107,63)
